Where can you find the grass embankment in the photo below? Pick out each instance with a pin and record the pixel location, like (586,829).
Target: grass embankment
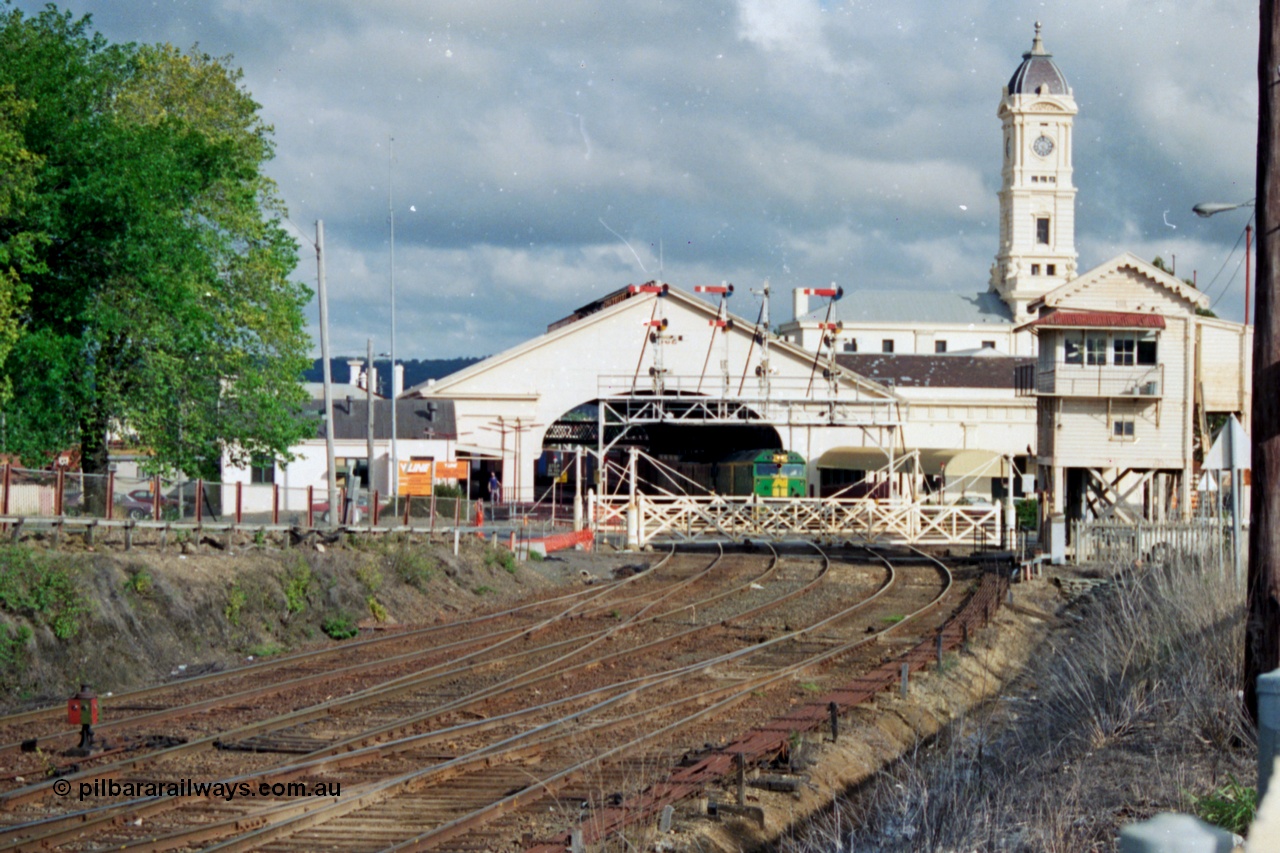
(116,620)
(1132,708)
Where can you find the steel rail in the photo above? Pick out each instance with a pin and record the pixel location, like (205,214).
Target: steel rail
(775,736)
(344,650)
(736,692)
(395,686)
(351,743)
(311,765)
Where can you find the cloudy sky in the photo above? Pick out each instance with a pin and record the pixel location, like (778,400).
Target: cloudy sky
(549,151)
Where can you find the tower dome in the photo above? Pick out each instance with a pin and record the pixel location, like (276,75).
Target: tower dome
(1036,71)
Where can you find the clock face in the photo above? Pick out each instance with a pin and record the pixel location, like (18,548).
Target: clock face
(1042,146)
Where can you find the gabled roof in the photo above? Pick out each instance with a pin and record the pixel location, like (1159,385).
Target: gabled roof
(1179,289)
(1061,318)
(447,386)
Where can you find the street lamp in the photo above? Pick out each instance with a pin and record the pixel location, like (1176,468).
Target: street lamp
(1204,210)
(1209,208)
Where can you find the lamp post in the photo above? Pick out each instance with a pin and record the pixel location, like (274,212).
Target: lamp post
(1204,210)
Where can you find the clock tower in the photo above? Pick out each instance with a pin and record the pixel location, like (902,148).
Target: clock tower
(1037,197)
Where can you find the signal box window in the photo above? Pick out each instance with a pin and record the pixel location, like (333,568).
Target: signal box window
(939,346)
(1095,349)
(1147,351)
(1124,351)
(851,345)
(1122,429)
(1073,348)
(886,345)
(1042,230)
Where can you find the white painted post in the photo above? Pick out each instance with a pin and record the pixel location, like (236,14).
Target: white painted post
(577,492)
(1010,514)
(633,512)
(1175,833)
(1268,727)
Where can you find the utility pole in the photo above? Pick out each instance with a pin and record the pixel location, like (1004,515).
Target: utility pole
(368,427)
(1262,626)
(328,379)
(395,450)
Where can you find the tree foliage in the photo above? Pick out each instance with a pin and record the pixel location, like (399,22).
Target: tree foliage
(148,264)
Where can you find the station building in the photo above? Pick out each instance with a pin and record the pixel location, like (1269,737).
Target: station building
(1092,390)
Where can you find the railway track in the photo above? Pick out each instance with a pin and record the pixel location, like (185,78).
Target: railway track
(464,750)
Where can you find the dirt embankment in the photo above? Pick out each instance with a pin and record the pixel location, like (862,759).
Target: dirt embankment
(117,620)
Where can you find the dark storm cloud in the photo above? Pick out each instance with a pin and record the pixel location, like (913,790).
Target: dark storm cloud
(795,140)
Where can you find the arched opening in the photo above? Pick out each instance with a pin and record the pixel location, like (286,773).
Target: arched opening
(685,456)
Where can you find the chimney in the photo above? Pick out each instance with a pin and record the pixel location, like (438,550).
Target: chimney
(356,367)
(800,302)
(397,382)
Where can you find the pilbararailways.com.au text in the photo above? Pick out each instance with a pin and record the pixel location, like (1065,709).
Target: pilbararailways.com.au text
(191,788)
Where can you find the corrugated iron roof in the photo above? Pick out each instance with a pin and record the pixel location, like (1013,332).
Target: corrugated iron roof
(1062,319)
(415,418)
(935,371)
(915,307)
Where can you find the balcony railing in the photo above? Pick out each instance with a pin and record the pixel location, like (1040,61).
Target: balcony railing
(1102,380)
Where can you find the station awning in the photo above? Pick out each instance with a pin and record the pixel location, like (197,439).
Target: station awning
(933,461)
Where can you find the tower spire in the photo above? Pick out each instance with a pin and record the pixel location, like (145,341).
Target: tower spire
(1037,46)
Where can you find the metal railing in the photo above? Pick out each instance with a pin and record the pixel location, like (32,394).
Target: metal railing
(1103,380)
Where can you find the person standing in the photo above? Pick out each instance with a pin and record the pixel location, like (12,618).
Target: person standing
(495,494)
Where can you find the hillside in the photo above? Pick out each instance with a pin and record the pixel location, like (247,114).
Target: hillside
(416,371)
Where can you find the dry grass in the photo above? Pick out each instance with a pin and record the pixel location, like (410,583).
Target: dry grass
(1131,709)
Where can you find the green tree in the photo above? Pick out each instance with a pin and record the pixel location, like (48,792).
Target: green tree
(160,305)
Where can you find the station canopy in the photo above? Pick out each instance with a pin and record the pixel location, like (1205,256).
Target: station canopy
(933,461)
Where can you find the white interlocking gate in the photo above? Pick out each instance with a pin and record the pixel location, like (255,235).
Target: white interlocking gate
(686,518)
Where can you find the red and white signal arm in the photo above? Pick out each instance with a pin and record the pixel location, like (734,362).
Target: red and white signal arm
(830,292)
(720,289)
(651,287)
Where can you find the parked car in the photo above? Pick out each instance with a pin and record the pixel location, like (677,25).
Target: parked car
(140,504)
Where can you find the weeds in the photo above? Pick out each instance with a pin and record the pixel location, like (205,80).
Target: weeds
(482,590)
(500,557)
(264,650)
(1231,806)
(235,603)
(41,587)
(297,584)
(376,609)
(340,627)
(412,565)
(13,653)
(369,576)
(140,582)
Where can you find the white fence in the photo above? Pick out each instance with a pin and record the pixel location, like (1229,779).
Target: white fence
(1206,540)
(886,521)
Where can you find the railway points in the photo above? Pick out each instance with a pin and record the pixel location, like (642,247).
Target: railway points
(657,664)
